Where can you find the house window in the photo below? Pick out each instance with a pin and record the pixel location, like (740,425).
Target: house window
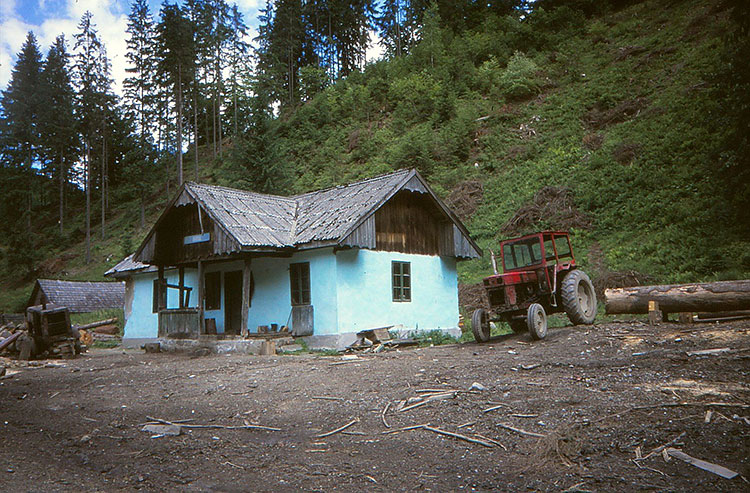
(401,275)
(159,297)
(213,290)
(299,275)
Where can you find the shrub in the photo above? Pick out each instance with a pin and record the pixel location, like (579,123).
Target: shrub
(519,80)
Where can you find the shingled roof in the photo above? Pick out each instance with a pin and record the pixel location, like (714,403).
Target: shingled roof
(79,296)
(127,266)
(257,222)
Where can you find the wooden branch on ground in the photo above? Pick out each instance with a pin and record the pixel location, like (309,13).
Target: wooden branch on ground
(339,429)
(246,426)
(406,428)
(519,430)
(658,450)
(382,415)
(459,436)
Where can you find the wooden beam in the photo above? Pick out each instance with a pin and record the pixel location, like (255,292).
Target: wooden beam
(201,289)
(181,286)
(245,296)
(162,295)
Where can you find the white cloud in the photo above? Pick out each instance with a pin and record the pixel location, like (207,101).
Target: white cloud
(108,15)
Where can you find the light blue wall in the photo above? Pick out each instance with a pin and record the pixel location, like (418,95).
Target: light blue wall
(350,290)
(272,300)
(366,297)
(142,322)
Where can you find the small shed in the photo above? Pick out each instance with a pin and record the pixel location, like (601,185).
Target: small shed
(78,296)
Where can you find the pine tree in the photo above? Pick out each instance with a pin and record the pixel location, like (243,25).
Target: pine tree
(138,88)
(176,62)
(87,71)
(20,132)
(57,120)
(238,66)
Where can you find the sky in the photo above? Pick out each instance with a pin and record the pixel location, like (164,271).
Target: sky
(50,18)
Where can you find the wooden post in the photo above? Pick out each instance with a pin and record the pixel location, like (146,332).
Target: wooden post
(162,289)
(654,314)
(181,285)
(245,296)
(686,317)
(200,296)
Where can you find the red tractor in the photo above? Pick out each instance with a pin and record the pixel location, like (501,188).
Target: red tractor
(540,277)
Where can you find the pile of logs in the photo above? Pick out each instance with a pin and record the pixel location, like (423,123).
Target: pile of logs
(708,298)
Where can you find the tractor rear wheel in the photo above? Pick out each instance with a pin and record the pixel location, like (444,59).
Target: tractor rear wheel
(579,298)
(518,326)
(536,320)
(480,325)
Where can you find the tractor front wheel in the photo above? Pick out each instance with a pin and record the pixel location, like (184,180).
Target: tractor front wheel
(579,298)
(480,325)
(536,320)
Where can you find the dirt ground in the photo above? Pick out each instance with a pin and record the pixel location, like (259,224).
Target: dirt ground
(595,394)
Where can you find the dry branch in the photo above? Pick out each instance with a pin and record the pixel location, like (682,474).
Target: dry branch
(406,428)
(459,436)
(382,415)
(519,430)
(246,426)
(339,429)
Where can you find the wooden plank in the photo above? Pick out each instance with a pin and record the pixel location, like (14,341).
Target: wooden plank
(702,464)
(246,273)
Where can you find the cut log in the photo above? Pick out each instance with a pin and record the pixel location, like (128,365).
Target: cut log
(92,325)
(676,298)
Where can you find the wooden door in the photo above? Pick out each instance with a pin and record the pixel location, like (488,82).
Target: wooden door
(233,302)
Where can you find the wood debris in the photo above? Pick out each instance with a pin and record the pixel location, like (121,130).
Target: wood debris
(338,430)
(246,426)
(519,430)
(702,464)
(709,352)
(459,436)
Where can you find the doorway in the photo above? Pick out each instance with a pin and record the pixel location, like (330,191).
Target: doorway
(233,302)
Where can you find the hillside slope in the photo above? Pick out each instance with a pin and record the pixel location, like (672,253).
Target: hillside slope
(609,126)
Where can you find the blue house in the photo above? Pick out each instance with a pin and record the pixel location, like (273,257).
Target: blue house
(227,263)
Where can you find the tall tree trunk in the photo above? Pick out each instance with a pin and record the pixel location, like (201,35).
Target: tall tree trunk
(88,204)
(179,126)
(143,210)
(195,123)
(103,186)
(61,171)
(213,116)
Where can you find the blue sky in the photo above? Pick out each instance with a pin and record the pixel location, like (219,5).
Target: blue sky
(49,18)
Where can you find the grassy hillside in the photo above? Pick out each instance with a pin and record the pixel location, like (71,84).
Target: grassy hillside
(605,125)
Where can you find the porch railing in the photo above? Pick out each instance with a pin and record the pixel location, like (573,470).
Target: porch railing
(180,323)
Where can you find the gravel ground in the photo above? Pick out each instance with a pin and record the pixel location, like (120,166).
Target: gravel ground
(584,399)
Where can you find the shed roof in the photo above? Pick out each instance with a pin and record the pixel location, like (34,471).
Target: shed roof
(127,266)
(79,296)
